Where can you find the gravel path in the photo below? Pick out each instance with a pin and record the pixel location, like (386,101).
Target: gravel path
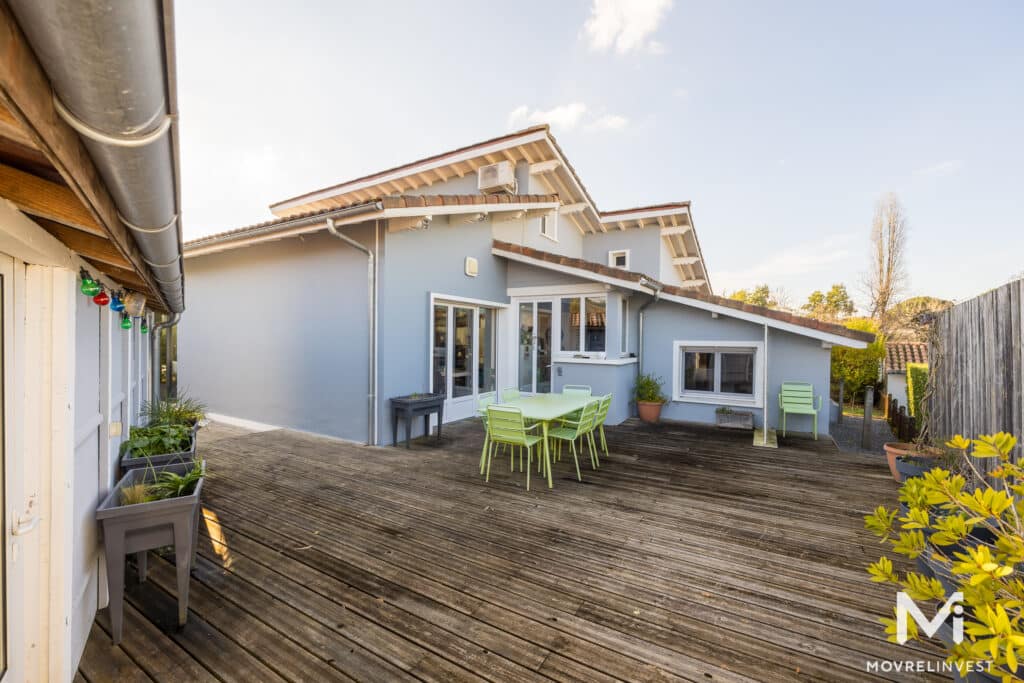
(847,435)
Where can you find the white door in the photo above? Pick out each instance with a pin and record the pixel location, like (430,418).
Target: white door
(462,356)
(19,510)
(534,347)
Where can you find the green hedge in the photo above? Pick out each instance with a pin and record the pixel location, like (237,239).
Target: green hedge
(917,378)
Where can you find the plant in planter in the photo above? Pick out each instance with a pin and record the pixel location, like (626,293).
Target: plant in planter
(968,532)
(649,398)
(182,410)
(150,508)
(158,444)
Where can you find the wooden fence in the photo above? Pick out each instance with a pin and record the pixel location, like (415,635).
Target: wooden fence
(977,366)
(904,425)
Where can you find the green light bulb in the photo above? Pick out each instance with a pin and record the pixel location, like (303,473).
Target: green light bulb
(126,323)
(90,287)
(143,327)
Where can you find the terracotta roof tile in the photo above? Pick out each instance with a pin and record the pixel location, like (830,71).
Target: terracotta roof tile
(653,207)
(898,354)
(633,276)
(388,202)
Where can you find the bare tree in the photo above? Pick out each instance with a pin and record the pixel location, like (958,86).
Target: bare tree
(887,277)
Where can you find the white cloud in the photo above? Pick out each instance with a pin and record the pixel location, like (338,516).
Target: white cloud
(625,25)
(941,169)
(780,267)
(608,122)
(564,116)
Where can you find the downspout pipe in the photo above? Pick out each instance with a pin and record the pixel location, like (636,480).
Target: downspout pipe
(371,287)
(656,288)
(154,356)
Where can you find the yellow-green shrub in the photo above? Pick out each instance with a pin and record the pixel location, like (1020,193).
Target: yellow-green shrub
(917,379)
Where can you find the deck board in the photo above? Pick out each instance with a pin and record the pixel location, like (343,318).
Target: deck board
(690,555)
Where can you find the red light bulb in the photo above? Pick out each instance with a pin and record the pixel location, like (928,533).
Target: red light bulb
(101,299)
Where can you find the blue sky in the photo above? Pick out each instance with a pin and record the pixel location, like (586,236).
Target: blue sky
(782,122)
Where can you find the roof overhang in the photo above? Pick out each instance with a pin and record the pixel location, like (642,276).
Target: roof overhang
(649,286)
(361,213)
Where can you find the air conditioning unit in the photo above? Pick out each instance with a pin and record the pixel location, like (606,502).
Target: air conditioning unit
(497,178)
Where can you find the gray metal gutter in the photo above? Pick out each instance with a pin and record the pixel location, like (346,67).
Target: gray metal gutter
(371,287)
(656,288)
(319,218)
(111,66)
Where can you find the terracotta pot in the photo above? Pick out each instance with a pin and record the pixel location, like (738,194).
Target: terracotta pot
(650,411)
(893,450)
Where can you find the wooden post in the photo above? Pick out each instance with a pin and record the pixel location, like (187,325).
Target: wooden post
(865,436)
(842,388)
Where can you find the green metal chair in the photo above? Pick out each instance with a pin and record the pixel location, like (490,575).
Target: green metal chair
(506,428)
(602,415)
(481,410)
(797,398)
(509,394)
(573,430)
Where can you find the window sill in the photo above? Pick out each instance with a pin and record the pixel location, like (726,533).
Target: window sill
(595,361)
(553,238)
(719,399)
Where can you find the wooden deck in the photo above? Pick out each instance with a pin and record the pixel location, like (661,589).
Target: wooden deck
(690,555)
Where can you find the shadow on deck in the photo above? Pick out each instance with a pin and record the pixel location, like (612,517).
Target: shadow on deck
(690,555)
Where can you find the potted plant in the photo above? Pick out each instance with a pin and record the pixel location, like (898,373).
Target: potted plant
(914,451)
(150,508)
(649,398)
(968,529)
(157,445)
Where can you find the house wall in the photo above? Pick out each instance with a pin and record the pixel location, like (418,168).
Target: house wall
(417,263)
(645,248)
(603,378)
(791,358)
(896,386)
(278,333)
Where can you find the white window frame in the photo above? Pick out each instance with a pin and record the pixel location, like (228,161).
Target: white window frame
(549,220)
(623,327)
(717,397)
(615,253)
(558,353)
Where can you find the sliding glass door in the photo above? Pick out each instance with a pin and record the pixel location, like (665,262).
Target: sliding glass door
(463,356)
(534,355)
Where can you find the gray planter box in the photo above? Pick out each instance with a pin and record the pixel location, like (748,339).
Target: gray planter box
(736,419)
(187,456)
(136,529)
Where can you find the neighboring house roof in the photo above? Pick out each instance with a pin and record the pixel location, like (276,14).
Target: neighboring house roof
(537,147)
(391,207)
(819,329)
(898,354)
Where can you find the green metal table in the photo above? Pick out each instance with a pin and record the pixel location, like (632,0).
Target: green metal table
(545,409)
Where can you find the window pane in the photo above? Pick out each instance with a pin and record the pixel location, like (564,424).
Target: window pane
(570,324)
(543,347)
(485,351)
(526,347)
(699,372)
(624,324)
(737,373)
(596,308)
(462,349)
(440,369)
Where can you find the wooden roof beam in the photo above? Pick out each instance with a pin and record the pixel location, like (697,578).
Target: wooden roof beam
(87,245)
(10,128)
(675,230)
(542,167)
(685,260)
(40,197)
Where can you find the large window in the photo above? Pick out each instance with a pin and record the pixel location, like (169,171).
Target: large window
(723,372)
(583,324)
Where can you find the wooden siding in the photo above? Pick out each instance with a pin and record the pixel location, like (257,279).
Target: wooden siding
(977,369)
(690,555)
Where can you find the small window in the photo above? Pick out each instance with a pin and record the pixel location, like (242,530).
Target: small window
(549,226)
(726,373)
(619,259)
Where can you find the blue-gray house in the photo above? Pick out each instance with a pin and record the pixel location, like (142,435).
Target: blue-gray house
(485,267)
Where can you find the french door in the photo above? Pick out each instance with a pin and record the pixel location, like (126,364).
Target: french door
(462,356)
(534,354)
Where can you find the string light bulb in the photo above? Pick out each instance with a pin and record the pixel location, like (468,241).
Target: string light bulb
(126,322)
(143,327)
(89,286)
(115,302)
(101,299)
